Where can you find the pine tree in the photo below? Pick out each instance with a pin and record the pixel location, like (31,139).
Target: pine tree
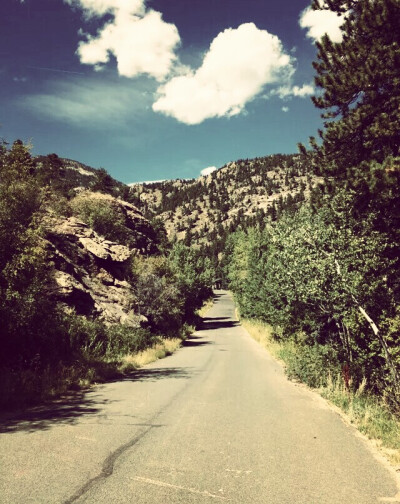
(360,82)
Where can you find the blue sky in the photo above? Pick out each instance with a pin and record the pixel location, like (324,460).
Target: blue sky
(159,89)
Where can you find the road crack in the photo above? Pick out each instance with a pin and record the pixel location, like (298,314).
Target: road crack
(108,465)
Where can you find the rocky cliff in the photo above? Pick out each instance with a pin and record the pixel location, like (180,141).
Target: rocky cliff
(90,271)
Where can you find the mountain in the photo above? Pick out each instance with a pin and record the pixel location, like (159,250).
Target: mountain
(68,175)
(202,213)
(242,193)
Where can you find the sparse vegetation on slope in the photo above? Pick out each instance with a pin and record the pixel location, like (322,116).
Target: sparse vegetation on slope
(202,213)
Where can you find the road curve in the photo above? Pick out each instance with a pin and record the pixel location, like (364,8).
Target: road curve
(215,422)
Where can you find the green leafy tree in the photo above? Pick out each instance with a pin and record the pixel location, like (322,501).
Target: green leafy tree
(158,296)
(27,312)
(195,276)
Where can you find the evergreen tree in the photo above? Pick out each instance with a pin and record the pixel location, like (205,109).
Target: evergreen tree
(104,182)
(360,80)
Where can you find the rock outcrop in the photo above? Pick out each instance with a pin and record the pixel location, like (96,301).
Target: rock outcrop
(143,237)
(90,272)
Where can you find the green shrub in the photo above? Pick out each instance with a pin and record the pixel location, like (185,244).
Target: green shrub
(102,217)
(311,365)
(158,294)
(92,339)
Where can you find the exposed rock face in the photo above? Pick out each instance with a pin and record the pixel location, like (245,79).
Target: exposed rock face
(143,235)
(90,271)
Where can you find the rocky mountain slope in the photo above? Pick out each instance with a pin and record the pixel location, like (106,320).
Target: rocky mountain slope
(241,193)
(73,175)
(201,212)
(90,270)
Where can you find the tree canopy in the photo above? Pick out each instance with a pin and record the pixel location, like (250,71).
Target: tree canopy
(359,83)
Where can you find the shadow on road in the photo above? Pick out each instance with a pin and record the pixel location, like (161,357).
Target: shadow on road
(206,319)
(74,405)
(63,411)
(156,374)
(196,341)
(209,323)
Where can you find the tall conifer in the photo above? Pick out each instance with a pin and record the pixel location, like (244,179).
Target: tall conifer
(359,80)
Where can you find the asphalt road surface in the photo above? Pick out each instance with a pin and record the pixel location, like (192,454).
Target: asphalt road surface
(215,422)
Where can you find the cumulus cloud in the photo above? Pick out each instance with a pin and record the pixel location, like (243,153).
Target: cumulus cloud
(138,38)
(288,91)
(98,8)
(321,22)
(208,171)
(88,103)
(285,109)
(238,65)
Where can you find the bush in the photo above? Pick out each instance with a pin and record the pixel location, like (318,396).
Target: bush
(102,217)
(312,365)
(158,294)
(92,339)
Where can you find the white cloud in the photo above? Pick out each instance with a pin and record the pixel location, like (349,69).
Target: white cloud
(208,171)
(285,109)
(148,182)
(321,22)
(140,40)
(288,91)
(238,65)
(98,8)
(88,102)
(304,90)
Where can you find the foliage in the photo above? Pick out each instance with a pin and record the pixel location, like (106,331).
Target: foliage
(103,217)
(194,274)
(158,296)
(360,81)
(43,347)
(104,183)
(25,310)
(310,272)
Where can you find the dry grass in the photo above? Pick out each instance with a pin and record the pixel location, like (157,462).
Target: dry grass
(205,308)
(160,350)
(262,333)
(370,416)
(27,387)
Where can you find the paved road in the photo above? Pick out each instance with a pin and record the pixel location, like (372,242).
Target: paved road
(216,422)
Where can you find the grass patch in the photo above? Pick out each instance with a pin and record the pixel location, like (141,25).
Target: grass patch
(366,412)
(207,305)
(21,388)
(263,334)
(370,416)
(25,387)
(159,350)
